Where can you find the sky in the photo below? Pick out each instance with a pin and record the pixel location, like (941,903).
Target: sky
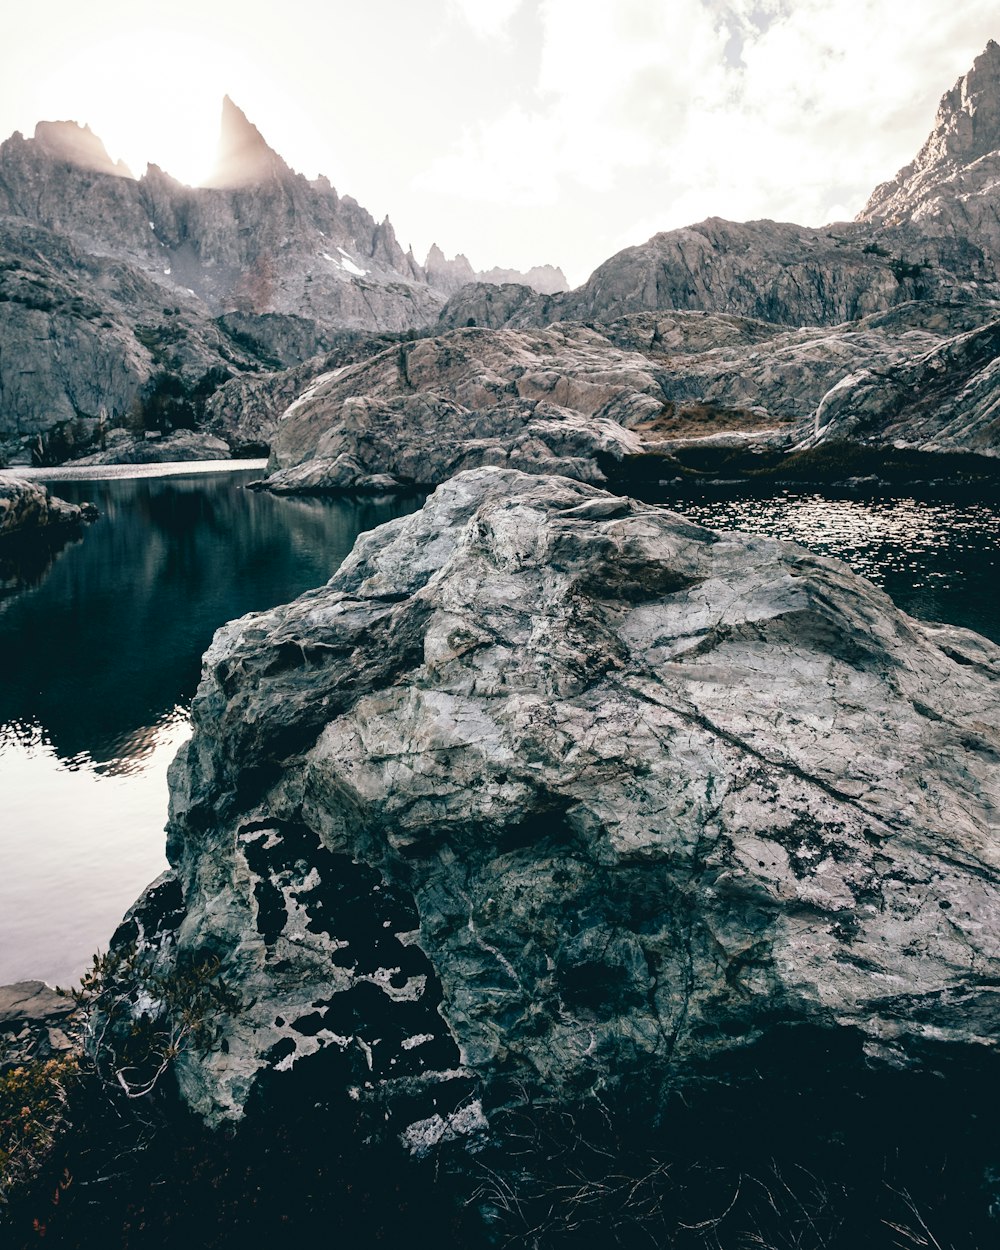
(519,132)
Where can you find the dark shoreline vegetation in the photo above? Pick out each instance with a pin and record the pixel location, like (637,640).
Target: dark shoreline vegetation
(798,1143)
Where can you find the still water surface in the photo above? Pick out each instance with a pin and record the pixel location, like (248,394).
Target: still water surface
(100,647)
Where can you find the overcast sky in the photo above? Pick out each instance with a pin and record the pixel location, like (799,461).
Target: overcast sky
(517,131)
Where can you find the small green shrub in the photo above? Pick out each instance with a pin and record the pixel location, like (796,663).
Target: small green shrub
(34,1100)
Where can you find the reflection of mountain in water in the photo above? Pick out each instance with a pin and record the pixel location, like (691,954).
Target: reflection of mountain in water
(111,640)
(25,559)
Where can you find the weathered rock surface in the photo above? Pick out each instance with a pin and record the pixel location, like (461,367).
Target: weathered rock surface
(774,271)
(485,813)
(26,506)
(592,403)
(36,1022)
(111,286)
(245,411)
(259,237)
(948,190)
(947,399)
(553,400)
(180,445)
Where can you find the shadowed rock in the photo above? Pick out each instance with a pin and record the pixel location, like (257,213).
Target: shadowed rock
(571,791)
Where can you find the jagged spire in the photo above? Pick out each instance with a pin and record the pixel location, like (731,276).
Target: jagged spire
(967,125)
(244,158)
(966,128)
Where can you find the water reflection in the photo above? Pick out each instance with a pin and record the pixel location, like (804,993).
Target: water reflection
(100,652)
(939,560)
(25,559)
(78,837)
(113,638)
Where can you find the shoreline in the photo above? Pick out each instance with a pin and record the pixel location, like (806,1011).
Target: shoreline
(112,472)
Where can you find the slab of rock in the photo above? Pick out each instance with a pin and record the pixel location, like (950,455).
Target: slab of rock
(549,789)
(36,1022)
(555,400)
(180,445)
(26,506)
(597,404)
(946,399)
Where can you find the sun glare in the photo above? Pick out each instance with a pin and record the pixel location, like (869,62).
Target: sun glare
(158,100)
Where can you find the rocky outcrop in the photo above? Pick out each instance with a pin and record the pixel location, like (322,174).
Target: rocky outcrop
(947,399)
(245,411)
(774,271)
(88,344)
(124,448)
(557,400)
(36,1022)
(494,307)
(482,817)
(949,190)
(28,506)
(111,286)
(610,405)
(258,238)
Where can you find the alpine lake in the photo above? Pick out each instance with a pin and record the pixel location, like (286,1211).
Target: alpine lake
(101,638)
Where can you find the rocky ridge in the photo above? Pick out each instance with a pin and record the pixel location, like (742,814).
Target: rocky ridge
(450,276)
(482,813)
(948,191)
(602,404)
(116,290)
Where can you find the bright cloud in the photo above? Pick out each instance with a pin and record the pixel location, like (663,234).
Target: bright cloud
(488,18)
(740,108)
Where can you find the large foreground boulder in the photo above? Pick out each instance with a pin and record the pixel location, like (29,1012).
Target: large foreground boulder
(549,790)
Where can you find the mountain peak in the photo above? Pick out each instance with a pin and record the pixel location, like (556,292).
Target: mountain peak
(78,145)
(967,125)
(966,128)
(244,158)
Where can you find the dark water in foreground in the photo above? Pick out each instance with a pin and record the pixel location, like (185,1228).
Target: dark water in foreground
(100,646)
(99,656)
(939,560)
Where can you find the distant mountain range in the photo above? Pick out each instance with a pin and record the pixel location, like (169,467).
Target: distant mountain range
(116,290)
(146,304)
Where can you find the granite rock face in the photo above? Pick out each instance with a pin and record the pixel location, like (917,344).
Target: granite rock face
(948,191)
(601,404)
(115,288)
(947,399)
(485,813)
(245,411)
(773,271)
(27,506)
(553,400)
